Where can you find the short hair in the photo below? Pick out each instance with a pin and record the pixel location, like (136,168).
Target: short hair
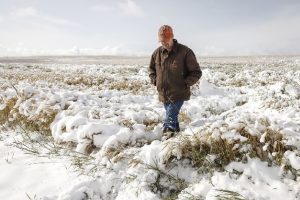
(165,31)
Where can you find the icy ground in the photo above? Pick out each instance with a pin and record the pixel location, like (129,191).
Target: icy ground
(75,130)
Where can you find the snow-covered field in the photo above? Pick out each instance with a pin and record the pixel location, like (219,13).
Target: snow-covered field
(90,128)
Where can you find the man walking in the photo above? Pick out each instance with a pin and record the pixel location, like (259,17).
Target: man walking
(173,69)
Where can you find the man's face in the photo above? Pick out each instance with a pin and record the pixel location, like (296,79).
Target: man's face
(166,42)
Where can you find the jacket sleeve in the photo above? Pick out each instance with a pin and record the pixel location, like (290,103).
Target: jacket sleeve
(152,69)
(193,69)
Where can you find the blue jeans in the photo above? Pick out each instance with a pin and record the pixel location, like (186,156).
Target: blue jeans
(172,111)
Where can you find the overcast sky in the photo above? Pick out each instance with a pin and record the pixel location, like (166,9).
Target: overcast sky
(211,27)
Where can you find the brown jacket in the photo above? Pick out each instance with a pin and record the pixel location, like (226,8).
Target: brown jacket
(174,72)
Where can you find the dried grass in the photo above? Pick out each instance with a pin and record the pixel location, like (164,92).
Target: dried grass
(184,117)
(135,87)
(229,195)
(199,149)
(115,154)
(5,113)
(45,146)
(82,80)
(127,123)
(38,123)
(166,185)
(11,116)
(150,124)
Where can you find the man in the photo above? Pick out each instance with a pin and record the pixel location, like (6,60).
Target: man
(173,69)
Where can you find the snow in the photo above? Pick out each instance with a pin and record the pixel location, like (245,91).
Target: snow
(257,181)
(114,109)
(23,174)
(294,159)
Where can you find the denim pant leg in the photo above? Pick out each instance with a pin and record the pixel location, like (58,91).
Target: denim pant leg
(172,111)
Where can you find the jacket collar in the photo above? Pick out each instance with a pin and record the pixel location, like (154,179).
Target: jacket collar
(175,45)
(174,48)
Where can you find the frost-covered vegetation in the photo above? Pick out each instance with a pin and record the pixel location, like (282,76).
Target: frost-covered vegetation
(240,137)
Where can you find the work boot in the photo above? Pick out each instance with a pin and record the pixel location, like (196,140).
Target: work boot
(168,129)
(167,133)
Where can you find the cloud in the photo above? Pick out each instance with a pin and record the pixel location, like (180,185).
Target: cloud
(277,35)
(129,7)
(24,12)
(59,21)
(101,8)
(33,12)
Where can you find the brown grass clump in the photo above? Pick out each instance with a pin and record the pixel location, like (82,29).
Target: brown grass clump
(204,153)
(16,76)
(53,77)
(183,116)
(150,124)
(86,80)
(235,82)
(5,113)
(119,152)
(210,153)
(39,123)
(133,86)
(127,123)
(197,151)
(115,154)
(271,150)
(11,116)
(166,185)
